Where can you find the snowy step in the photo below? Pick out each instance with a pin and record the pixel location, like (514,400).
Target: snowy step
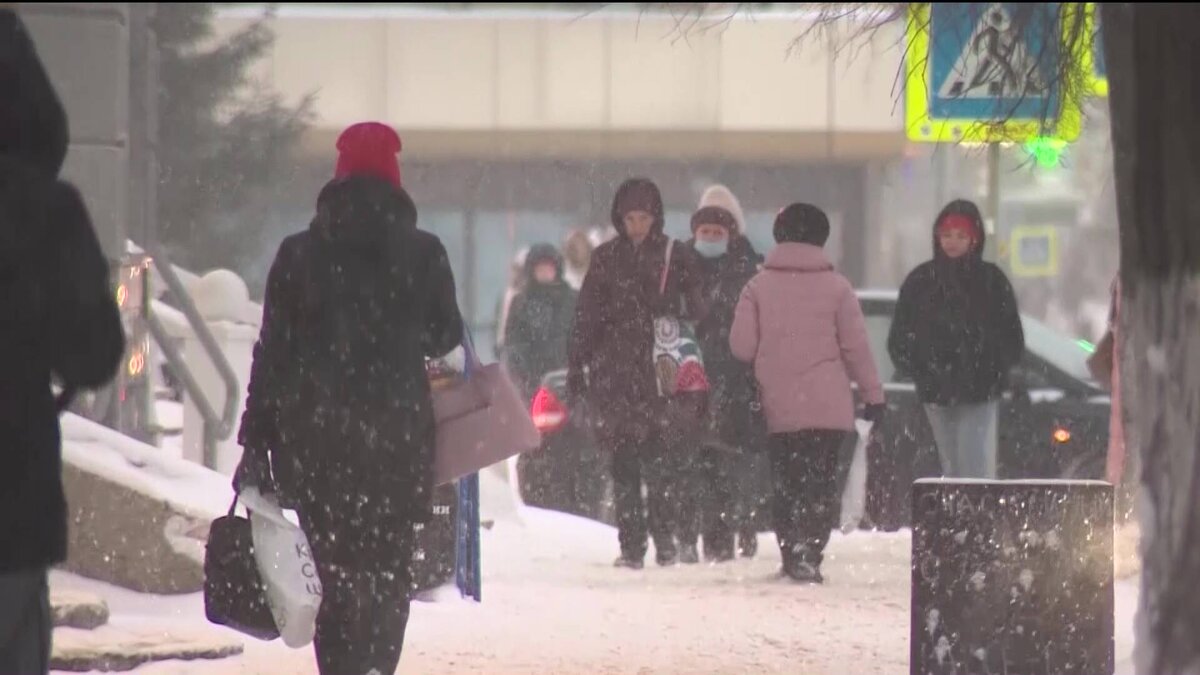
(138,517)
(76,609)
(110,649)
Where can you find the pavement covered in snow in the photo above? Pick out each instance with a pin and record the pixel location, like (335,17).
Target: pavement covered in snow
(553,604)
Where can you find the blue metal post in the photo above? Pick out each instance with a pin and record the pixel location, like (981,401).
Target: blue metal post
(467,549)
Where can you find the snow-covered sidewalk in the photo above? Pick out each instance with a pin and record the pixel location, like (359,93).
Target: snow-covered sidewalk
(553,604)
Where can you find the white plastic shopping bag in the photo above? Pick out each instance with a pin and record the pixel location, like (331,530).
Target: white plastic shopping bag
(287,568)
(854,497)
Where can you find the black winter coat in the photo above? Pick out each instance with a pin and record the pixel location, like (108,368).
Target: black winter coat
(957,330)
(612,340)
(539,325)
(58,316)
(733,385)
(339,408)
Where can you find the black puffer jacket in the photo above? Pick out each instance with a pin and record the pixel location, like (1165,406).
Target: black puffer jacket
(539,323)
(58,315)
(957,331)
(733,385)
(338,398)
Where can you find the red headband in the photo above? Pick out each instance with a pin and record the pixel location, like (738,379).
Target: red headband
(957,221)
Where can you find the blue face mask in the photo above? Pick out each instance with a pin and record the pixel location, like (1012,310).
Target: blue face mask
(712,249)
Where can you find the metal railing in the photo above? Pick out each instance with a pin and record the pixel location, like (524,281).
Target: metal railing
(216,427)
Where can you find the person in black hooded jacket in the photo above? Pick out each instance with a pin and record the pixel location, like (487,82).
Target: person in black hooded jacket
(957,333)
(58,319)
(719,497)
(611,366)
(539,321)
(339,422)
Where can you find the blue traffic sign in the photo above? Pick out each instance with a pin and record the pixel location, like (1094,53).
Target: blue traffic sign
(993,60)
(987,72)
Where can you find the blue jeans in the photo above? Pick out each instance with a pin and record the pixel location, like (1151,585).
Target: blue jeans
(966,438)
(25,623)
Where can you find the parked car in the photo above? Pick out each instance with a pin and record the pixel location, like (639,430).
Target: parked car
(567,472)
(1053,424)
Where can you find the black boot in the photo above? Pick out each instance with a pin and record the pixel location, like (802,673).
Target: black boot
(688,554)
(748,543)
(630,563)
(666,557)
(803,572)
(798,566)
(718,556)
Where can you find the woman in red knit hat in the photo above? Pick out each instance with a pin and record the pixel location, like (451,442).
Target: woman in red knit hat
(339,422)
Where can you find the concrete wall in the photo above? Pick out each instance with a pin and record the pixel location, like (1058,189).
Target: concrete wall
(85,47)
(568,85)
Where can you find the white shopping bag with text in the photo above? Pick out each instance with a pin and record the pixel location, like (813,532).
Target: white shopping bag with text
(287,568)
(854,496)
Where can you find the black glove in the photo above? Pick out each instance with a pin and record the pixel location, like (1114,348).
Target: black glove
(874,412)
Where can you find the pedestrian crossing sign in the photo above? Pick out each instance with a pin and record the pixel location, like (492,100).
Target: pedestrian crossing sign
(988,72)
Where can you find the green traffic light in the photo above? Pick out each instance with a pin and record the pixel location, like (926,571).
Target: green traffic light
(1046,150)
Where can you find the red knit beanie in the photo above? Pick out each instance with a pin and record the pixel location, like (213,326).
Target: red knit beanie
(369,148)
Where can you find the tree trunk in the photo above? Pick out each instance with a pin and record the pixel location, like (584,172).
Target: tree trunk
(1153,59)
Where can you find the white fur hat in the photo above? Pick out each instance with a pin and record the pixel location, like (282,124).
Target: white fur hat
(719,195)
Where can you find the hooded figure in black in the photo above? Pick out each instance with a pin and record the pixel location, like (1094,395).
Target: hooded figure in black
(721,496)
(957,333)
(539,321)
(339,422)
(611,367)
(58,319)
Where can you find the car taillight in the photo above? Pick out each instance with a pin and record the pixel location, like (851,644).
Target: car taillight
(1062,435)
(548,413)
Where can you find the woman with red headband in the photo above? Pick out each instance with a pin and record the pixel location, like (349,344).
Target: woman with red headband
(339,422)
(957,333)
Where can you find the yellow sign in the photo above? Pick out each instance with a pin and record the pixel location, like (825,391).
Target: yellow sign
(1093,58)
(972,75)
(1034,251)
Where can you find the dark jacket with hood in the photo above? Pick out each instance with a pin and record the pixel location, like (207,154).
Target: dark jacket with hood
(612,340)
(339,397)
(957,331)
(58,316)
(732,382)
(539,323)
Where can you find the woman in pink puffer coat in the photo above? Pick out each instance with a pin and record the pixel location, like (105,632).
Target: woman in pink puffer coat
(799,322)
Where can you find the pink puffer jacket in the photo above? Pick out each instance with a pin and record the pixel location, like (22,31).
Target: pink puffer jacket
(801,325)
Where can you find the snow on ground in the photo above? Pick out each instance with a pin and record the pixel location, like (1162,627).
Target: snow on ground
(553,604)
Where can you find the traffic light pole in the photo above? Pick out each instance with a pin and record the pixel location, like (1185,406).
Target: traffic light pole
(993,200)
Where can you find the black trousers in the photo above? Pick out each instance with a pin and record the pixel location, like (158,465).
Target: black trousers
(806,509)
(363,558)
(25,623)
(707,499)
(650,461)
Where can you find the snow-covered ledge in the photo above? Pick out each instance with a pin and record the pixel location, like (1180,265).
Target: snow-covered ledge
(138,518)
